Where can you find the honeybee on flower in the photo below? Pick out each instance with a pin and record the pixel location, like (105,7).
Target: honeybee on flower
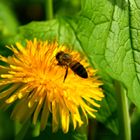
(34,82)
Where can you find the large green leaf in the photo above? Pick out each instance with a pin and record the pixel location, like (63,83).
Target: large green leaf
(111,40)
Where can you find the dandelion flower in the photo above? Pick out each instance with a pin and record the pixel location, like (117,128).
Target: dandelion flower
(33,83)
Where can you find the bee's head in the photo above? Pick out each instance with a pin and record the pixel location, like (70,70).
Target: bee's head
(58,55)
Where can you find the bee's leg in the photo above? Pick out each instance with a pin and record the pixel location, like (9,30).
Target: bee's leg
(66,74)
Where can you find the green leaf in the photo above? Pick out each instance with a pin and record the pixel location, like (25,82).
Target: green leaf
(111,40)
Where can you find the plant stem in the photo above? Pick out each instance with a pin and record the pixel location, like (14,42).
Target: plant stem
(92,129)
(123,113)
(49,9)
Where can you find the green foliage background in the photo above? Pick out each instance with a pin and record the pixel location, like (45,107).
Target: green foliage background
(107,32)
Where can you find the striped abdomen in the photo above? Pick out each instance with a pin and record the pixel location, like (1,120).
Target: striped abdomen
(78,68)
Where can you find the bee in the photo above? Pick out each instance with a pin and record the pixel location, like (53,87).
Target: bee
(65,59)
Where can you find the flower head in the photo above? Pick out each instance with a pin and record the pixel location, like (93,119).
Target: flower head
(32,80)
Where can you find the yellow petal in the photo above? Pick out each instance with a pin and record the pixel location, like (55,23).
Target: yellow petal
(9,91)
(55,118)
(44,116)
(65,120)
(37,110)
